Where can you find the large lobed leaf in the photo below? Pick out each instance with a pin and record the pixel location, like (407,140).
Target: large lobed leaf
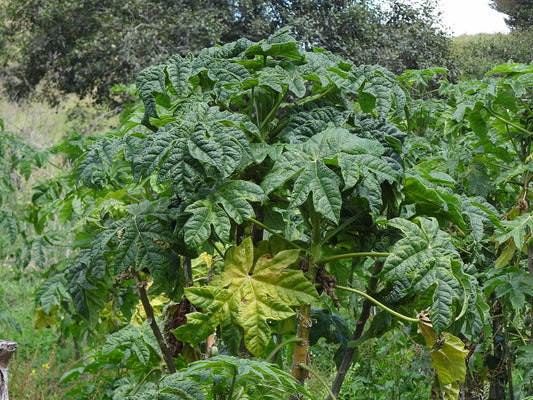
(308,165)
(252,293)
(428,259)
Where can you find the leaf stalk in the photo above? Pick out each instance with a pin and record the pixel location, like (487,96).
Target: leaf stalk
(370,298)
(350,255)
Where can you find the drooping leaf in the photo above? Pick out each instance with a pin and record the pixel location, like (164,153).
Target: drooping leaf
(448,355)
(51,293)
(426,256)
(515,229)
(433,201)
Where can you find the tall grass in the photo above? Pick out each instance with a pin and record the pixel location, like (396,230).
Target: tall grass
(43,125)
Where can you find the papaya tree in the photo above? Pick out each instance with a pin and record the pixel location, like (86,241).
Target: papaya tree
(258,187)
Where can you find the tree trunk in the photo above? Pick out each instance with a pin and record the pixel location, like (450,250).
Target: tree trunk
(6,351)
(358,332)
(498,379)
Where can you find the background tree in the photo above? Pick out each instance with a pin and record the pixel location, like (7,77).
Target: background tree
(87,46)
(519,12)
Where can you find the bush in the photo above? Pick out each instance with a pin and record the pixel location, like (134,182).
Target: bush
(475,55)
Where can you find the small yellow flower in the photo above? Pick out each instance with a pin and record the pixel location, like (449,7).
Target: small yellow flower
(46,366)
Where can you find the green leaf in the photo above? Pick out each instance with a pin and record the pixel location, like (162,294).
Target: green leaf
(324,184)
(280,44)
(307,163)
(426,256)
(478,217)
(197,329)
(235,197)
(207,216)
(91,168)
(278,79)
(378,89)
(179,71)
(9,224)
(51,293)
(252,378)
(150,83)
(515,229)
(433,202)
(354,166)
(142,241)
(514,285)
(307,123)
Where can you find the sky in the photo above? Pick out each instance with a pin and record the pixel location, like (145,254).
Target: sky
(471,17)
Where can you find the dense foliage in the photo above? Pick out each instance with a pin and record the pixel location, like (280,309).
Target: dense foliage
(519,12)
(87,46)
(475,55)
(260,199)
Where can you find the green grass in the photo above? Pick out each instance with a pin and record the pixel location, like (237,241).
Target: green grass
(41,357)
(43,125)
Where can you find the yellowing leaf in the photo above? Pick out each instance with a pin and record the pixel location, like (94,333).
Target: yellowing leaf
(252,294)
(447,357)
(43,320)
(157,302)
(506,255)
(207,258)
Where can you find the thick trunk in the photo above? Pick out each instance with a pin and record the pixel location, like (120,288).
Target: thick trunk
(6,351)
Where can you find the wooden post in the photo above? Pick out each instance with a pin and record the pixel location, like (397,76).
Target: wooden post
(6,351)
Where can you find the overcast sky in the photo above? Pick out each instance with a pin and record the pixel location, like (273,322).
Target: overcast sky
(471,16)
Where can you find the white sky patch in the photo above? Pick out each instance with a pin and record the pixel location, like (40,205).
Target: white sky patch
(471,17)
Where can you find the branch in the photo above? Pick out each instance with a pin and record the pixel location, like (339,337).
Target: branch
(141,290)
(357,333)
(506,121)
(350,255)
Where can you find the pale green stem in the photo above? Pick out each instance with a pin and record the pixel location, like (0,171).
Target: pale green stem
(319,378)
(239,395)
(510,123)
(273,111)
(370,298)
(144,379)
(232,388)
(350,255)
(279,346)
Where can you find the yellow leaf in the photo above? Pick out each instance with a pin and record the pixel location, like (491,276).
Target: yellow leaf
(43,320)
(207,258)
(447,357)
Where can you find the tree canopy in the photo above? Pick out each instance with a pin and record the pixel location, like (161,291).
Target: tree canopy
(519,12)
(87,46)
